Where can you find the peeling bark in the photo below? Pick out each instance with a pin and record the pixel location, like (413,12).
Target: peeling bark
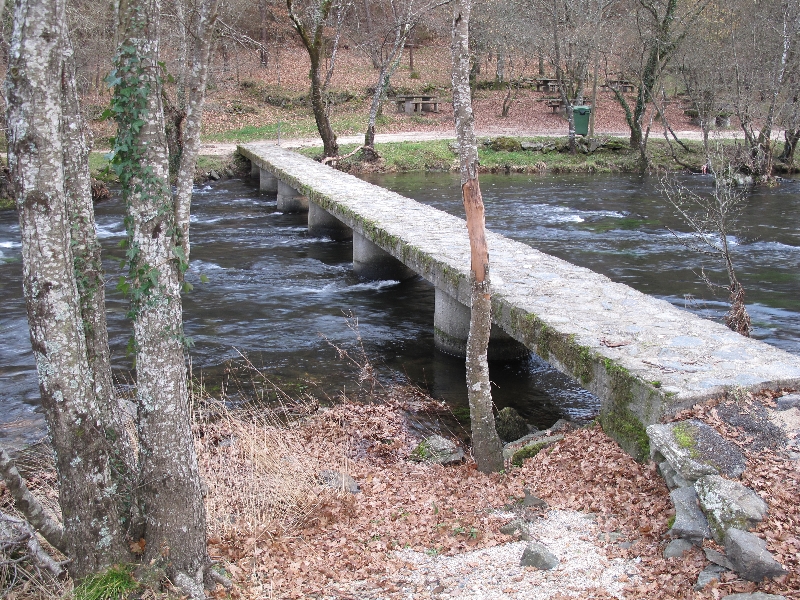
(202,31)
(486,443)
(36,120)
(169,480)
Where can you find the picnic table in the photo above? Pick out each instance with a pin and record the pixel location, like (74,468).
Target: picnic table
(557,103)
(546,84)
(622,84)
(415,103)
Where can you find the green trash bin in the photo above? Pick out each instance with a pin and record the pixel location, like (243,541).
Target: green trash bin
(581,116)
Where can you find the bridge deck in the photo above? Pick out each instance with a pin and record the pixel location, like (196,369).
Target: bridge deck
(642,356)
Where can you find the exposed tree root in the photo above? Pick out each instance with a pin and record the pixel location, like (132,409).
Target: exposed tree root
(737,318)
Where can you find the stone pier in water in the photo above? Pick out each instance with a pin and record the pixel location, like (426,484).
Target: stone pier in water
(643,357)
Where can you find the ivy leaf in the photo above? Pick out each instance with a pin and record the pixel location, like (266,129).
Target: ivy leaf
(204,279)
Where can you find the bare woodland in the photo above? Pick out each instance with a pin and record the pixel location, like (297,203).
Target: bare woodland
(129,485)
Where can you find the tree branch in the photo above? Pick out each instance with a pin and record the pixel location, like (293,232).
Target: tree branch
(28,504)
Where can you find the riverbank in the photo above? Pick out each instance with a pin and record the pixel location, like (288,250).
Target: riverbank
(422,530)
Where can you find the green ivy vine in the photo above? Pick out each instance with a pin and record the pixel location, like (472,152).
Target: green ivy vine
(132,86)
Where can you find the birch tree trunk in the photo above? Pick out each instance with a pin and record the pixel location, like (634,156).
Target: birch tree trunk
(487,448)
(74,387)
(169,481)
(202,31)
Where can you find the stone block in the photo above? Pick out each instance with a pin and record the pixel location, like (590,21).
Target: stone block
(538,556)
(749,556)
(728,504)
(690,522)
(693,449)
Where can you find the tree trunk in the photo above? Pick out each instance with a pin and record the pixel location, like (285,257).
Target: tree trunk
(486,444)
(169,480)
(791,138)
(87,490)
(202,31)
(313,41)
(330,146)
(263,55)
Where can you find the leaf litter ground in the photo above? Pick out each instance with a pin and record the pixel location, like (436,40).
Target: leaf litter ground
(419,530)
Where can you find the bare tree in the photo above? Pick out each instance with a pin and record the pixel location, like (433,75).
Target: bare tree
(486,444)
(712,218)
(662,26)
(309,21)
(402,17)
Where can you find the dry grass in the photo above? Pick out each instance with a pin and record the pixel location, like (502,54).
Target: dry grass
(261,480)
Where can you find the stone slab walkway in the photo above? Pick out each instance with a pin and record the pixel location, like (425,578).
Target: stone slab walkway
(642,356)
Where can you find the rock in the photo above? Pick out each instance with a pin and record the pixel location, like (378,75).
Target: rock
(749,556)
(505,144)
(531,500)
(561,426)
(677,548)
(536,555)
(788,401)
(671,477)
(439,450)
(510,425)
(741,180)
(512,527)
(707,575)
(532,449)
(531,146)
(718,558)
(694,449)
(728,504)
(753,596)
(213,175)
(339,481)
(690,522)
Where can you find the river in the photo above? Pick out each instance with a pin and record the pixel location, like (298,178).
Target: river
(265,289)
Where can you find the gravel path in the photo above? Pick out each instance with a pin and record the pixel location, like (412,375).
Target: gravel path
(221,149)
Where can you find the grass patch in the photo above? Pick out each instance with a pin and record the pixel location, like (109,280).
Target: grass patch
(114,583)
(402,157)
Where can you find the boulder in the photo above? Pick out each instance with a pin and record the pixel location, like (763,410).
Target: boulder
(531,449)
(718,558)
(213,175)
(338,481)
(749,556)
(694,449)
(533,501)
(707,575)
(671,477)
(513,527)
(728,504)
(788,401)
(677,548)
(536,555)
(510,425)
(690,522)
(439,450)
(532,146)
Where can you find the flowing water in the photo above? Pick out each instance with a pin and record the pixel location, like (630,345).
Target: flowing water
(265,289)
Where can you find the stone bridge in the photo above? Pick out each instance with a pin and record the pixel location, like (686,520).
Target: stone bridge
(643,357)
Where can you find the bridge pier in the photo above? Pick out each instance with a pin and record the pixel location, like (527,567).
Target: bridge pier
(267,182)
(289,199)
(451,330)
(373,263)
(321,223)
(255,170)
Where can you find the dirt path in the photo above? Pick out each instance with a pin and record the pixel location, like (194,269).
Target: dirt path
(222,149)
